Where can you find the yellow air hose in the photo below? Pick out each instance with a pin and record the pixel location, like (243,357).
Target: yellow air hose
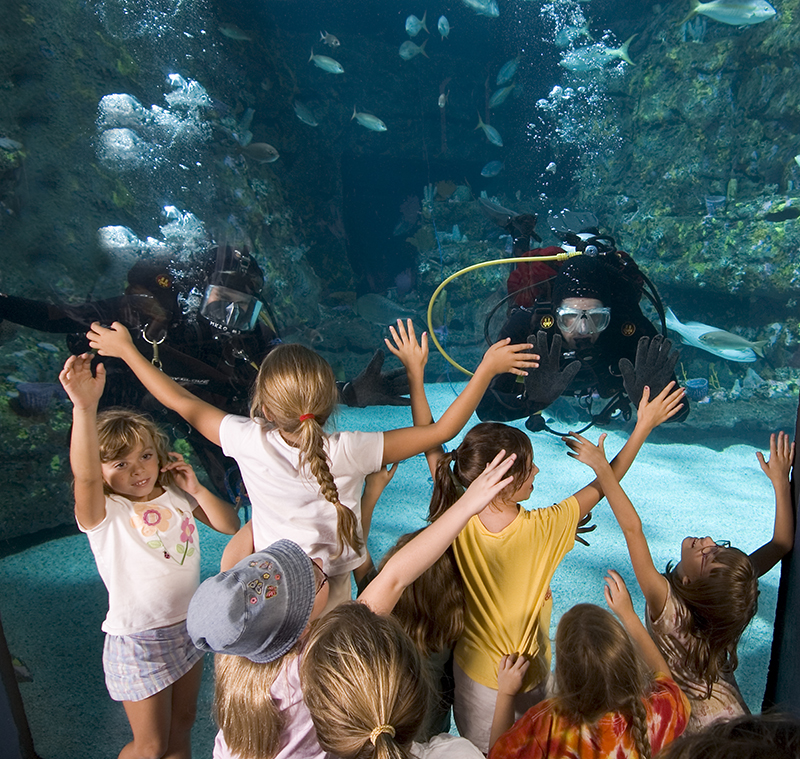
(496,262)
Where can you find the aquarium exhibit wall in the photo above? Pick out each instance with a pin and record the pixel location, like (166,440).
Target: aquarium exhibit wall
(350,151)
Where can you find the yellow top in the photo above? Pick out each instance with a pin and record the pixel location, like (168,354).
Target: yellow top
(507,577)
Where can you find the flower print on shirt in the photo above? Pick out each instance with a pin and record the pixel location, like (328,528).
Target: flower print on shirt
(153,520)
(150,518)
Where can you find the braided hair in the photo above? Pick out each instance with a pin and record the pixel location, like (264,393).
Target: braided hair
(296,390)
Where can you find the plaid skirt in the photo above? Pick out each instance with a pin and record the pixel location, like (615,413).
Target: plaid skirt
(140,665)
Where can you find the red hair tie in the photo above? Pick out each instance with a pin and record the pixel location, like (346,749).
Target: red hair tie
(307,416)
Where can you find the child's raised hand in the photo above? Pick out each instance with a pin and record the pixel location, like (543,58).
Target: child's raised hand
(184,475)
(651,413)
(83,388)
(617,596)
(488,483)
(585,451)
(404,345)
(377,481)
(511,674)
(109,341)
(502,357)
(781,456)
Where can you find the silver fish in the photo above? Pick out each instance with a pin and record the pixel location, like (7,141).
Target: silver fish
(491,133)
(717,341)
(329,40)
(233,32)
(483,7)
(443,26)
(304,114)
(415,25)
(260,152)
(379,310)
(569,34)
(368,121)
(499,97)
(443,102)
(492,169)
(326,64)
(733,12)
(8,144)
(596,56)
(409,50)
(507,71)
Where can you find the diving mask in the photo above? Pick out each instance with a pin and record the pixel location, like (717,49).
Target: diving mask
(582,321)
(230,310)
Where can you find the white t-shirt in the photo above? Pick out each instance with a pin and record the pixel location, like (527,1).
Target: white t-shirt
(446,746)
(299,739)
(149,558)
(287,502)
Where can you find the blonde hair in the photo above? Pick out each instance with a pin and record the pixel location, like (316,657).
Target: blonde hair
(243,707)
(720,607)
(295,382)
(431,609)
(364,684)
(599,670)
(120,431)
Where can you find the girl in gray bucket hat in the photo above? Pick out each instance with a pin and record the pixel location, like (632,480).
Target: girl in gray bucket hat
(256,615)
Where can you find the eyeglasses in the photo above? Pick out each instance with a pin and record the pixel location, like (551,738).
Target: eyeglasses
(320,582)
(582,320)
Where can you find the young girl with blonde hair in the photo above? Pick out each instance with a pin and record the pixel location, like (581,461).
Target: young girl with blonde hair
(283,442)
(698,609)
(614,696)
(137,505)
(506,554)
(368,690)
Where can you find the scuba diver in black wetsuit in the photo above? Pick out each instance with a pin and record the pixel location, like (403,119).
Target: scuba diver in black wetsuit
(214,350)
(594,341)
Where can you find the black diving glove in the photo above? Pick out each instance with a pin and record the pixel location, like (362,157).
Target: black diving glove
(373,388)
(655,367)
(583,528)
(546,383)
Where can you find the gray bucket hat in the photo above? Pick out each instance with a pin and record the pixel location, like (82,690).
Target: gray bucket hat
(259,608)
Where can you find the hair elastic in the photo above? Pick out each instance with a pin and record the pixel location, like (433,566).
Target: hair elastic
(307,416)
(379,730)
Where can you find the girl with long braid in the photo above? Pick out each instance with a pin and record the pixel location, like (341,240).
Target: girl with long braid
(304,483)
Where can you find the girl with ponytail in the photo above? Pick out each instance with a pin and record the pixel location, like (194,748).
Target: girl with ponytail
(305,484)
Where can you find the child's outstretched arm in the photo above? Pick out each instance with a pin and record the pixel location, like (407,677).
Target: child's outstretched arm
(510,676)
(414,356)
(653,584)
(502,357)
(211,510)
(649,415)
(619,601)
(781,457)
(415,557)
(116,341)
(373,488)
(84,390)
(240,546)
